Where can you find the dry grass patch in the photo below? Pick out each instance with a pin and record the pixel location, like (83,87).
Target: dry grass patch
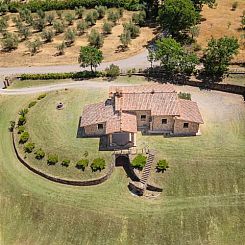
(222,21)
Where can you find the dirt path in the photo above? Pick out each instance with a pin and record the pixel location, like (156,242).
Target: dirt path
(137,61)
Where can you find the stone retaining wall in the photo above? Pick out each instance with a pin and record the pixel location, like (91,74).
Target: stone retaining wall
(60,180)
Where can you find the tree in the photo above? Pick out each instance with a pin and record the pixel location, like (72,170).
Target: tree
(24,32)
(95,39)
(132,28)
(218,55)
(25,15)
(34,46)
(79,11)
(178,16)
(112,71)
(139,18)
(50,18)
(125,39)
(59,14)
(139,161)
(70,17)
(47,35)
(59,27)
(81,27)
(98,164)
(10,41)
(41,14)
(3,24)
(90,56)
(173,57)
(3,8)
(95,14)
(61,48)
(52,159)
(82,164)
(70,37)
(162,165)
(194,31)
(113,16)
(39,24)
(90,19)
(101,11)
(107,28)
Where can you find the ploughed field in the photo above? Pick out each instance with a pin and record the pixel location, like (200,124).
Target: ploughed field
(203,190)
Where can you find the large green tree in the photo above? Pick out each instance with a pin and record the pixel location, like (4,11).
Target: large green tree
(218,55)
(178,15)
(90,56)
(173,57)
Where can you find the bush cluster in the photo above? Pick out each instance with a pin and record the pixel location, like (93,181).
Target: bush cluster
(24,137)
(98,164)
(29,147)
(162,165)
(52,159)
(82,164)
(39,154)
(139,161)
(73,75)
(185,96)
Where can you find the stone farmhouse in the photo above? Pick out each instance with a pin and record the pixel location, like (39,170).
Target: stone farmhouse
(151,109)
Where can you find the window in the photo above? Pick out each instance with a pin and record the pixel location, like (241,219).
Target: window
(143,117)
(100,126)
(164,121)
(186,125)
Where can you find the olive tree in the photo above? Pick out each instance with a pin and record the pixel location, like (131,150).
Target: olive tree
(95,39)
(10,41)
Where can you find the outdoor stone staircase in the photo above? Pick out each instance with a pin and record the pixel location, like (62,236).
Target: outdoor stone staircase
(147,169)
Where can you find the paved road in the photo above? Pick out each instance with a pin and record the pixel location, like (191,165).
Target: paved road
(77,84)
(137,61)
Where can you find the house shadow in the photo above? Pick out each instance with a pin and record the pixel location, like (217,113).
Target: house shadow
(80,131)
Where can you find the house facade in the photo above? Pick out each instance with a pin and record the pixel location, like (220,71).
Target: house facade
(152,109)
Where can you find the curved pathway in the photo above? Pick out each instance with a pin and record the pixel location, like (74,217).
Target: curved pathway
(137,61)
(77,84)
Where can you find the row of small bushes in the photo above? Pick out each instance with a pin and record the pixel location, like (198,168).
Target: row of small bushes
(47,5)
(111,71)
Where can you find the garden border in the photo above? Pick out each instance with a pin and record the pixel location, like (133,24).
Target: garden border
(91,182)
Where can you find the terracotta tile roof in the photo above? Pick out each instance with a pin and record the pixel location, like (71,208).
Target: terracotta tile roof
(124,123)
(142,88)
(158,103)
(189,111)
(96,113)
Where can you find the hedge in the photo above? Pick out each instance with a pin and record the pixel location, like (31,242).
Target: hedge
(47,5)
(73,75)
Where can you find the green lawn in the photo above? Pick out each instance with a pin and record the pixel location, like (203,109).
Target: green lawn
(202,202)
(17,84)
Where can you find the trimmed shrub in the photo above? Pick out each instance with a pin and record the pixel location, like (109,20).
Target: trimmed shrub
(79,11)
(90,19)
(34,46)
(41,96)
(24,137)
(132,28)
(81,27)
(125,39)
(73,75)
(98,164)
(21,129)
(52,159)
(162,165)
(82,164)
(113,16)
(39,24)
(185,96)
(22,120)
(50,18)
(139,18)
(65,163)
(47,35)
(112,71)
(95,14)
(139,161)
(29,147)
(23,112)
(61,48)
(39,154)
(11,127)
(101,11)
(24,32)
(31,104)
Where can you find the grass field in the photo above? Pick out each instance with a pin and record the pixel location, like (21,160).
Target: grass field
(202,202)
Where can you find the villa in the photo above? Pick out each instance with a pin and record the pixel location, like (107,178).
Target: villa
(151,109)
